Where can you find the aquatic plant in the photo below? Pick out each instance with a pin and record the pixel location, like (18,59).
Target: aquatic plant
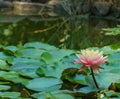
(38,71)
(92,59)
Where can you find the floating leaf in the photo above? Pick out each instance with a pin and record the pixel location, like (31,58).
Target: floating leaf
(3,65)
(19,67)
(47,57)
(4,83)
(88,89)
(21,60)
(40,46)
(55,55)
(44,84)
(53,95)
(30,53)
(9,95)
(3,55)
(4,87)
(77,78)
(54,70)
(12,77)
(107,79)
(29,73)
(11,48)
(112,94)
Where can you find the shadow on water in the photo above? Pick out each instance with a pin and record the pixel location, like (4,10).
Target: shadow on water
(73,33)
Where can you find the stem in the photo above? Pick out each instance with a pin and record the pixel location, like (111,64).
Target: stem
(93,76)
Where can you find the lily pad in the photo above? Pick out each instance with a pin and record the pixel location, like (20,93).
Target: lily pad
(55,55)
(4,87)
(3,65)
(29,73)
(44,84)
(39,45)
(3,55)
(54,70)
(30,53)
(12,77)
(9,95)
(22,60)
(104,79)
(11,48)
(53,95)
(20,66)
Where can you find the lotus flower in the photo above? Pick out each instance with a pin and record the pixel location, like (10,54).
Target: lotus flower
(91,58)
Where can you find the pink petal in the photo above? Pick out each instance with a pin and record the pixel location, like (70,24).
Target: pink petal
(96,68)
(86,60)
(103,60)
(97,57)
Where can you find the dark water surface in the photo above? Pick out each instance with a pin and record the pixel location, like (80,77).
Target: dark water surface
(72,33)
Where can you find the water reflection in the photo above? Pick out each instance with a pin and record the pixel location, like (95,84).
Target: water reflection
(72,33)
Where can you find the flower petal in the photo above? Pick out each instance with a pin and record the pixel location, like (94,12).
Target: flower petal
(91,58)
(96,68)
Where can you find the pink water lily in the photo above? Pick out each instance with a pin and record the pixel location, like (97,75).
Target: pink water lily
(91,58)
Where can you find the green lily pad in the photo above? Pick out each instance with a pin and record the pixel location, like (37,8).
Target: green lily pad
(21,60)
(87,89)
(55,55)
(3,65)
(53,95)
(54,70)
(104,79)
(12,77)
(47,57)
(11,48)
(108,50)
(19,67)
(77,78)
(44,84)
(4,83)
(112,94)
(39,45)
(29,73)
(9,95)
(4,87)
(3,55)
(30,53)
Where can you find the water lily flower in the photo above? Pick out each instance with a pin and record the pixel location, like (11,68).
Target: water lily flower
(91,58)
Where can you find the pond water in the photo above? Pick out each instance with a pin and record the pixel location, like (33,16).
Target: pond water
(71,33)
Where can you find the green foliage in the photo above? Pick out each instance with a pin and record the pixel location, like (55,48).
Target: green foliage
(42,71)
(53,95)
(73,32)
(44,84)
(112,31)
(9,95)
(4,87)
